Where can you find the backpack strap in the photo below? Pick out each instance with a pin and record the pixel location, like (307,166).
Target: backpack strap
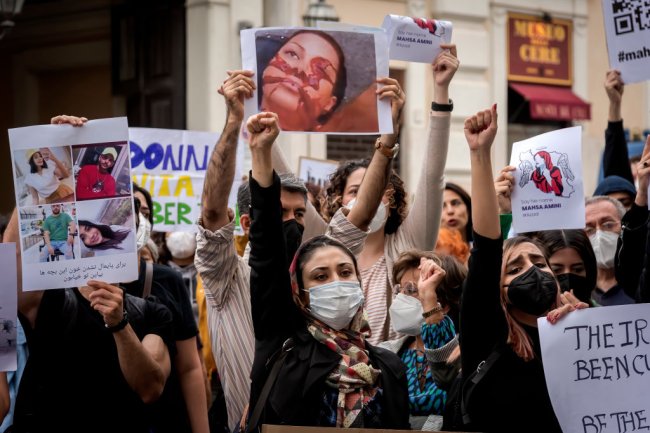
(270,381)
(474,379)
(148,278)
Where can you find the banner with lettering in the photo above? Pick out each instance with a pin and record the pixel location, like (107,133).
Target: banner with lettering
(548,193)
(627,26)
(171,165)
(597,368)
(416,39)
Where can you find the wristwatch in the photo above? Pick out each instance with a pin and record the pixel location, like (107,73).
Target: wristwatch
(443,107)
(121,325)
(388,152)
(433,311)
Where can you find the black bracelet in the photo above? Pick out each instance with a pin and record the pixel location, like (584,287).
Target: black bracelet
(121,325)
(443,107)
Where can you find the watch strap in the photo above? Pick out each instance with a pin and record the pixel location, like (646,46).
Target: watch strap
(442,107)
(388,152)
(121,325)
(434,310)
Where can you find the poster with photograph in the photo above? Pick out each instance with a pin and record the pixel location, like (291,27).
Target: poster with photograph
(316,171)
(75,208)
(171,165)
(8,306)
(628,40)
(597,368)
(318,81)
(416,39)
(548,193)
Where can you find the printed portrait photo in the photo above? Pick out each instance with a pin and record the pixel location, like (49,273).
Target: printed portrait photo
(44,175)
(106,227)
(101,171)
(49,233)
(318,81)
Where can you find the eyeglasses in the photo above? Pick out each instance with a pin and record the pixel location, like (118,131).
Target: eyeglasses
(409,288)
(606,226)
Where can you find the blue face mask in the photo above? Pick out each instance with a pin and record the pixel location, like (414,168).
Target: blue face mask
(335,303)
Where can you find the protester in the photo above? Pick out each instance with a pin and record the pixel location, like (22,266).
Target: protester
(354,384)
(96,180)
(457,211)
(146,203)
(58,234)
(44,181)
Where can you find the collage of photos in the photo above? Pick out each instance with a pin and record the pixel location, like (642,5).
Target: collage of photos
(74,203)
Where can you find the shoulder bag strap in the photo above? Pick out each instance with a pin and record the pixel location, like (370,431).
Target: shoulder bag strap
(270,381)
(148,278)
(474,379)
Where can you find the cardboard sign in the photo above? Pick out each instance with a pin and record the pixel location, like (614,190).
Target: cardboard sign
(171,165)
(75,207)
(548,192)
(316,171)
(597,368)
(8,306)
(628,39)
(416,39)
(318,81)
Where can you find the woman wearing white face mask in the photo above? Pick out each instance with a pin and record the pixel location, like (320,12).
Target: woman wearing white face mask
(429,333)
(312,364)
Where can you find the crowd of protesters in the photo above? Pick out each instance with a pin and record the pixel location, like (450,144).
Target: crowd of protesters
(350,306)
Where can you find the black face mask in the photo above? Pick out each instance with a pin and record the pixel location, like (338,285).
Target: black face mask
(292,237)
(578,283)
(533,292)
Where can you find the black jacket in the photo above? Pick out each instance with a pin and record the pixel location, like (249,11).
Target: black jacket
(297,395)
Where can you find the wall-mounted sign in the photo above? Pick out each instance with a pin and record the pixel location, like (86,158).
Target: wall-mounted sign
(540,51)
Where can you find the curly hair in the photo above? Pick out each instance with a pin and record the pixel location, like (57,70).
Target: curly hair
(332,200)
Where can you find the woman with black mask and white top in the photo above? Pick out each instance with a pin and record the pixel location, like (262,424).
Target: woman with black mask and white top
(507,288)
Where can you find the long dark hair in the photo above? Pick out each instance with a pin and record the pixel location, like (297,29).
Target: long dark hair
(306,251)
(464,196)
(112,238)
(33,168)
(147,198)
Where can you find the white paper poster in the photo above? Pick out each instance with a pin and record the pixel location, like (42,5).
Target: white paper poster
(318,81)
(548,192)
(8,306)
(627,25)
(597,368)
(416,39)
(171,165)
(316,171)
(75,207)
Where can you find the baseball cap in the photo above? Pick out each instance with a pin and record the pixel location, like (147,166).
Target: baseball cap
(30,152)
(613,184)
(110,151)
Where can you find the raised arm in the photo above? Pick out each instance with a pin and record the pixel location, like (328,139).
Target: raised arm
(221,168)
(616,160)
(420,228)
(635,242)
(60,171)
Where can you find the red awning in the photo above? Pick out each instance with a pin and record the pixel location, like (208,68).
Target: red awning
(553,103)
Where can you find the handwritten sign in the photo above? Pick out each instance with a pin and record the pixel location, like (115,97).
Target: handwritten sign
(548,192)
(627,27)
(597,368)
(171,165)
(69,235)
(416,39)
(8,306)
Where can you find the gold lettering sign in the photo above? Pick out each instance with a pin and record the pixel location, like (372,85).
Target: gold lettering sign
(539,51)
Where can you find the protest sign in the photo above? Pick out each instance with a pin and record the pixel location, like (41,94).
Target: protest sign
(597,369)
(548,192)
(316,171)
(171,165)
(8,306)
(416,39)
(318,80)
(627,25)
(69,235)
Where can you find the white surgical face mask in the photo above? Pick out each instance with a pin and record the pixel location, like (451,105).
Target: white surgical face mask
(181,245)
(335,303)
(378,220)
(406,314)
(604,245)
(143,233)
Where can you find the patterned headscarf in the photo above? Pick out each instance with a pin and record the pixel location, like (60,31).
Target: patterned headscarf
(354,377)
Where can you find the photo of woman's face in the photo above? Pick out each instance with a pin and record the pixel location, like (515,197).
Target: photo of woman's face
(90,236)
(299,81)
(38,159)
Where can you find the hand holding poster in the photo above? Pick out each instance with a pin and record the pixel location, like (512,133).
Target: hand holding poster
(8,306)
(628,39)
(73,193)
(597,368)
(416,39)
(548,192)
(318,80)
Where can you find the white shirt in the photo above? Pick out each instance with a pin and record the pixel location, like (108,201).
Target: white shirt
(45,183)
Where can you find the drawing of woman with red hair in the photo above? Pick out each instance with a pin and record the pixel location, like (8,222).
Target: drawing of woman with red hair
(547,177)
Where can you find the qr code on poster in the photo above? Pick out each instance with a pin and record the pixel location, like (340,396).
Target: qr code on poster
(630,15)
